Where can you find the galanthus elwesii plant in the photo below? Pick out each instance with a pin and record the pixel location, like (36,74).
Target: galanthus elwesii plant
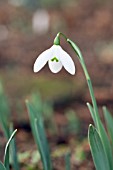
(100,144)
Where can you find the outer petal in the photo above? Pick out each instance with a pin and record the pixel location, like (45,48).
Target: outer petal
(42,60)
(55,51)
(54,66)
(67,62)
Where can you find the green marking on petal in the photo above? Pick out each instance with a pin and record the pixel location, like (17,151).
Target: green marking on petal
(55,59)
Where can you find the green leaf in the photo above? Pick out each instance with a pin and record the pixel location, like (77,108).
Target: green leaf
(14,157)
(6,155)
(37,102)
(67,161)
(43,144)
(2,167)
(4,112)
(39,135)
(97,150)
(33,114)
(107,145)
(104,137)
(109,123)
(92,113)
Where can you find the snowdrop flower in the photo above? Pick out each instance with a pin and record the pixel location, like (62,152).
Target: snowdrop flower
(56,58)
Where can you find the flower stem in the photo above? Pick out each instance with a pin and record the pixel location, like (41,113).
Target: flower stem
(82,62)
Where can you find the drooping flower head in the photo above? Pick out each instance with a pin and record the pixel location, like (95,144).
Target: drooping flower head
(56,58)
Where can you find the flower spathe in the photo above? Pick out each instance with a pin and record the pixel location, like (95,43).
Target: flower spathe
(56,58)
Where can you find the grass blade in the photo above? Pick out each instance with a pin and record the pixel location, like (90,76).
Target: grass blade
(43,144)
(97,150)
(104,138)
(37,102)
(4,113)
(6,155)
(14,157)
(2,167)
(106,144)
(33,114)
(39,135)
(92,113)
(109,123)
(67,161)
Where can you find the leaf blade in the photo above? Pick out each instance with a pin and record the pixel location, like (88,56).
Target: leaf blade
(14,156)
(97,150)
(109,123)
(39,135)
(6,155)
(2,167)
(104,137)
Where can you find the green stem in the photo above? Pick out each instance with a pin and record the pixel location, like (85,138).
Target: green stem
(90,86)
(81,59)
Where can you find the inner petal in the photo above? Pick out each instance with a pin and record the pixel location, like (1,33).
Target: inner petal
(55,66)
(54,59)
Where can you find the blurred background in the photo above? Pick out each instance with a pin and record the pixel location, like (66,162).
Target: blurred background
(26,29)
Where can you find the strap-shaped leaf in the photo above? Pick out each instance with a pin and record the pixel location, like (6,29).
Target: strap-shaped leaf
(104,138)
(67,161)
(2,167)
(97,150)
(14,158)
(33,114)
(6,155)
(4,112)
(39,135)
(92,113)
(109,122)
(43,144)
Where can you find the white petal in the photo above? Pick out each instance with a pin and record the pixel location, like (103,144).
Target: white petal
(42,60)
(67,62)
(55,51)
(54,66)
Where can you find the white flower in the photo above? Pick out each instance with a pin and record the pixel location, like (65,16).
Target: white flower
(56,58)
